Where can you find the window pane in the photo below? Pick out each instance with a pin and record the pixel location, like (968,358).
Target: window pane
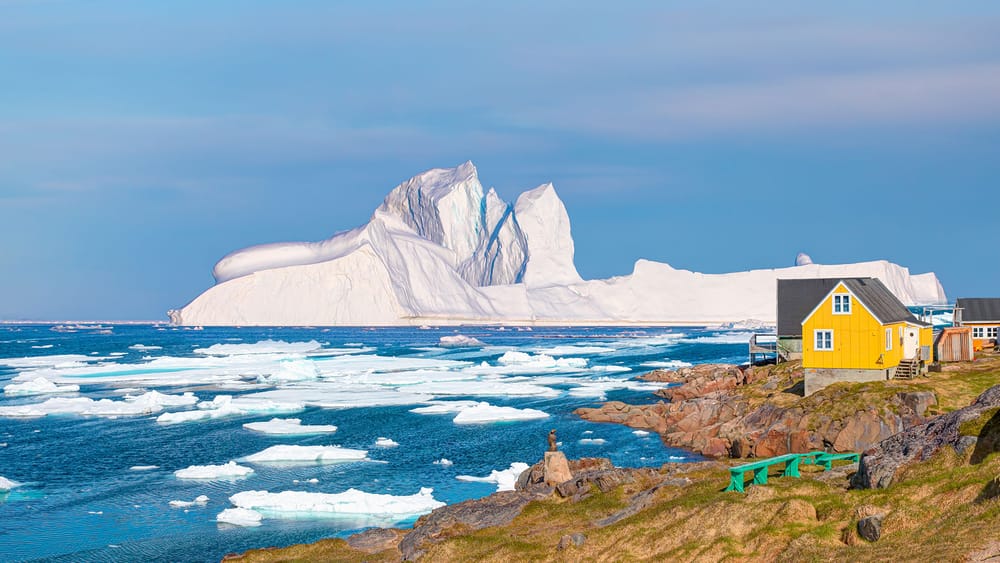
(847,304)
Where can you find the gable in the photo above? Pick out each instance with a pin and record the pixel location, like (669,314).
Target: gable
(796,298)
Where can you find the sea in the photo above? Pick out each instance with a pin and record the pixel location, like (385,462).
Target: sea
(96,418)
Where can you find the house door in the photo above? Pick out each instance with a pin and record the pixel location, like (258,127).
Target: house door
(911,343)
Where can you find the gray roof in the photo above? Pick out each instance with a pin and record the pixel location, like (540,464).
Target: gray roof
(979,309)
(881,302)
(797,298)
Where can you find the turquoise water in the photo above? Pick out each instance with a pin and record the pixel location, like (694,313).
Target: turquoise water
(81,501)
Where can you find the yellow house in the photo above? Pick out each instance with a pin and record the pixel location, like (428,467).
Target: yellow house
(859,331)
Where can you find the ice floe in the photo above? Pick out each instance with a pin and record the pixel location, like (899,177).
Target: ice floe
(200,500)
(38,386)
(7,484)
(239,517)
(351,502)
(459,341)
(383,442)
(227,405)
(485,413)
(308,454)
(505,479)
(444,407)
(147,403)
(593,441)
(143,467)
(226,471)
(144,348)
(262,347)
(292,426)
(640,433)
(444,462)
(666,364)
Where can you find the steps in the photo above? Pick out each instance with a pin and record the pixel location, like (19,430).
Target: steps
(908,369)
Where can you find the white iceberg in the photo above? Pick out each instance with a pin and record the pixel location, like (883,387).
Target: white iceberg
(262,347)
(200,500)
(147,403)
(7,484)
(318,454)
(290,426)
(444,462)
(441,250)
(505,479)
(144,348)
(640,433)
(484,413)
(459,341)
(143,467)
(351,502)
(38,386)
(383,442)
(229,470)
(239,517)
(593,441)
(226,405)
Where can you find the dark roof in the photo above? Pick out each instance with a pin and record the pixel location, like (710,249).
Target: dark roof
(881,302)
(979,309)
(798,298)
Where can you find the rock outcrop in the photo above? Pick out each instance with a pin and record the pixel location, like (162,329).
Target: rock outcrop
(976,426)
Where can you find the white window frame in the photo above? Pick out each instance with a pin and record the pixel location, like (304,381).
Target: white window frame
(888,339)
(992,331)
(978,332)
(841,303)
(818,341)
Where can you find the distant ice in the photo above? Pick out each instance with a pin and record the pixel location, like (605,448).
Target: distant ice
(318,454)
(383,442)
(144,348)
(7,484)
(200,500)
(444,407)
(444,462)
(574,350)
(593,441)
(505,479)
(147,403)
(640,433)
(56,361)
(666,364)
(226,405)
(42,346)
(214,472)
(485,413)
(262,347)
(459,341)
(239,517)
(351,502)
(38,386)
(143,467)
(289,426)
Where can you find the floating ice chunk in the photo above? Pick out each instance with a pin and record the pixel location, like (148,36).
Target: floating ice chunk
(444,407)
(351,502)
(318,454)
(294,370)
(43,346)
(670,364)
(459,341)
(7,484)
(147,403)
(144,348)
(38,386)
(201,500)
(214,472)
(383,442)
(574,350)
(239,517)
(738,337)
(594,441)
(588,431)
(485,412)
(640,433)
(262,347)
(226,405)
(291,426)
(505,480)
(444,462)
(56,361)
(489,388)
(143,467)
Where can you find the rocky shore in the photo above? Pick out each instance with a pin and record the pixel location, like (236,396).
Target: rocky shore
(722,410)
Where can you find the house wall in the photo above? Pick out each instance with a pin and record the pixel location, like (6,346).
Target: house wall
(816,379)
(981,343)
(927,339)
(858,338)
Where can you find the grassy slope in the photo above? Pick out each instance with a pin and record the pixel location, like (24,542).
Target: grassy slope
(935,513)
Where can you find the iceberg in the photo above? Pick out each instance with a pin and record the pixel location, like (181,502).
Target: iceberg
(147,403)
(442,250)
(213,472)
(291,426)
(38,386)
(239,517)
(307,454)
(200,500)
(483,413)
(7,484)
(505,479)
(383,442)
(351,502)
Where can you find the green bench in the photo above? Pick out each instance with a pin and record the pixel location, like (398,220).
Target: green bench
(791,467)
(759,469)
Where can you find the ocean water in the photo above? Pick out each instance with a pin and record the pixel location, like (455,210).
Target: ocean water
(81,500)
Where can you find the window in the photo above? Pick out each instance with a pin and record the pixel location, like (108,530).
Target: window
(841,304)
(888,339)
(824,339)
(978,331)
(992,331)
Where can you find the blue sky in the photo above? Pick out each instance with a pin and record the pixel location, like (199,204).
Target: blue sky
(142,141)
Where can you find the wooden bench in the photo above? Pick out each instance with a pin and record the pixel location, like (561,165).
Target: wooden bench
(760,468)
(826,460)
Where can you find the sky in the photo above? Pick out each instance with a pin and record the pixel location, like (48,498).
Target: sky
(142,141)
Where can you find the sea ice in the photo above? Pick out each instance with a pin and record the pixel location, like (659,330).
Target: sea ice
(593,441)
(226,405)
(666,364)
(505,479)
(289,426)
(444,462)
(239,517)
(351,502)
(143,467)
(459,341)
(7,484)
(319,454)
(214,472)
(200,500)
(640,433)
(144,348)
(262,347)
(383,442)
(147,403)
(38,386)
(444,407)
(485,412)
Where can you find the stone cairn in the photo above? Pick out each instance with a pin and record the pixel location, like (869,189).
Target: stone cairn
(556,466)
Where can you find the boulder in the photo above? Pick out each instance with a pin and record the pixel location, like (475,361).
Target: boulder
(568,540)
(533,480)
(555,468)
(918,401)
(870,528)
(375,539)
